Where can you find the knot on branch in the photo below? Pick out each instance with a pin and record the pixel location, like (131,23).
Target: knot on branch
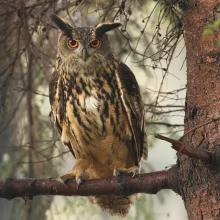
(124,188)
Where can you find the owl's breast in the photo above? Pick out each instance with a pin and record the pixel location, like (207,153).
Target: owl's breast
(94,110)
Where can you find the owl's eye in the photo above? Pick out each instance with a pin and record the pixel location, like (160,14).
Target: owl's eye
(95,43)
(72,43)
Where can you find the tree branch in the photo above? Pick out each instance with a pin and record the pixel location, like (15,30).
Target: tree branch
(164,123)
(195,153)
(150,183)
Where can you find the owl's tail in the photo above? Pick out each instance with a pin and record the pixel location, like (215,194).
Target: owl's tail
(114,205)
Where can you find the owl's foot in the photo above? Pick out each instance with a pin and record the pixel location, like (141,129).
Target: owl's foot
(78,173)
(71,175)
(134,170)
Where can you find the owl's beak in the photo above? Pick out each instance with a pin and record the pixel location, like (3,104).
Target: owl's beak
(84,54)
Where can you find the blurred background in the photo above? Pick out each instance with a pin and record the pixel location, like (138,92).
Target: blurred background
(150,42)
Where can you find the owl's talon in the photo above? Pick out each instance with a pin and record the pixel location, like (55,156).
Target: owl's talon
(70,176)
(116,173)
(135,172)
(79,181)
(63,183)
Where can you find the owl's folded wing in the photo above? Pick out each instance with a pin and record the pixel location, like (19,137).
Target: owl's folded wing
(131,99)
(57,104)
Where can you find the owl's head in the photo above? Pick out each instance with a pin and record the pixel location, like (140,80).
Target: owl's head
(82,43)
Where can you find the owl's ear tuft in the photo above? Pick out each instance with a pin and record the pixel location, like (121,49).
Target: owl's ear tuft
(62,25)
(105,27)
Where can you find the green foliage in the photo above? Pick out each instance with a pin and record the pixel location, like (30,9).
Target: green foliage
(210,29)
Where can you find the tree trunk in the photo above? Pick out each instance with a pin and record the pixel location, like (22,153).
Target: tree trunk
(199,182)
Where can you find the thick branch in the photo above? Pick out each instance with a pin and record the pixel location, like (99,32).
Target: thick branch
(149,183)
(189,151)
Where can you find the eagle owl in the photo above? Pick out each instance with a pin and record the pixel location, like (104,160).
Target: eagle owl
(97,108)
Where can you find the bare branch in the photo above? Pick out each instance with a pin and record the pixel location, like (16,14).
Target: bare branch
(195,153)
(164,106)
(164,123)
(165,112)
(150,183)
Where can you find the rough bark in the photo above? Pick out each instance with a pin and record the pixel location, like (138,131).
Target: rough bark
(200,182)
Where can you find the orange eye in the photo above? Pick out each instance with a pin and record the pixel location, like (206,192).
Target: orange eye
(72,43)
(95,43)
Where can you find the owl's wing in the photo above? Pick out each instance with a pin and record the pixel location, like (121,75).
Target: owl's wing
(131,99)
(57,104)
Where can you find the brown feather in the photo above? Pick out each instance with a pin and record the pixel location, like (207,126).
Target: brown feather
(57,104)
(133,103)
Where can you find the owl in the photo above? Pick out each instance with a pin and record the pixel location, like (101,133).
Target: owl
(97,108)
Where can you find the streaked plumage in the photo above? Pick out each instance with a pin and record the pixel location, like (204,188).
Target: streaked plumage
(97,108)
